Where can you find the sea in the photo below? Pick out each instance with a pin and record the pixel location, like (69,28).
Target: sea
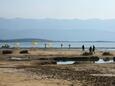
(73,45)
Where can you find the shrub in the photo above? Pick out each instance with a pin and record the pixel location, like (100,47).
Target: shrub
(7,52)
(94,58)
(113,58)
(24,52)
(106,53)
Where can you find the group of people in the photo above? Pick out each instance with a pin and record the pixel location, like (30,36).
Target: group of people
(91,49)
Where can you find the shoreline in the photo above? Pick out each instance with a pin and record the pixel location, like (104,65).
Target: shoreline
(54,53)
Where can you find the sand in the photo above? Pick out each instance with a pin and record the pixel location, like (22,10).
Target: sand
(27,73)
(56,75)
(55,53)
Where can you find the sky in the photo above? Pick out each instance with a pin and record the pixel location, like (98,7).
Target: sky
(58,9)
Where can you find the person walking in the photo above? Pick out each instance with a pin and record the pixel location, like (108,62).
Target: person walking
(61,45)
(45,45)
(93,49)
(69,46)
(83,48)
(90,49)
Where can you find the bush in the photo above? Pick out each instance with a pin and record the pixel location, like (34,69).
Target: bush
(113,58)
(106,53)
(24,52)
(87,54)
(7,52)
(94,58)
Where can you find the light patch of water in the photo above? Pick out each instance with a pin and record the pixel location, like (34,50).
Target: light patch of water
(101,61)
(66,62)
(108,75)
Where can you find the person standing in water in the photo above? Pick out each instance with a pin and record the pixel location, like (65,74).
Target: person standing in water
(83,48)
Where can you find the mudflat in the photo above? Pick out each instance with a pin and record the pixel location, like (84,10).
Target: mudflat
(32,73)
(13,73)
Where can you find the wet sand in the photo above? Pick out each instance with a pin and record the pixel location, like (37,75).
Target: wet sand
(16,74)
(29,73)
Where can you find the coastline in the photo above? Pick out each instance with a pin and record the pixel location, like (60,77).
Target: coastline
(52,52)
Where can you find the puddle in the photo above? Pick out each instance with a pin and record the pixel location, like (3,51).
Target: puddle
(75,60)
(18,59)
(108,75)
(66,62)
(100,61)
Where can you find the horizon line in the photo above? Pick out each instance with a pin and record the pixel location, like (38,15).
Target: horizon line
(59,40)
(57,18)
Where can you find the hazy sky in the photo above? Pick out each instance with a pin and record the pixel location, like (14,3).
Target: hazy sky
(61,9)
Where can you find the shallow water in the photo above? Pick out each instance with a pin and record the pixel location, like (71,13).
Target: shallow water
(70,61)
(99,45)
(100,61)
(66,62)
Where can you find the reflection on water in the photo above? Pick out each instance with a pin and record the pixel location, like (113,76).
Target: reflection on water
(83,60)
(66,62)
(100,61)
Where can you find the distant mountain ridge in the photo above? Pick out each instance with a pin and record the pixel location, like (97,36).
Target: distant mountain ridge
(58,29)
(46,40)
(25,40)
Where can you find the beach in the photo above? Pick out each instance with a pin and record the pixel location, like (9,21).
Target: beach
(52,54)
(57,43)
(14,74)
(35,72)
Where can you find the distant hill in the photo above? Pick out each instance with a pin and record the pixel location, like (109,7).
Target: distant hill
(57,29)
(26,40)
(45,40)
